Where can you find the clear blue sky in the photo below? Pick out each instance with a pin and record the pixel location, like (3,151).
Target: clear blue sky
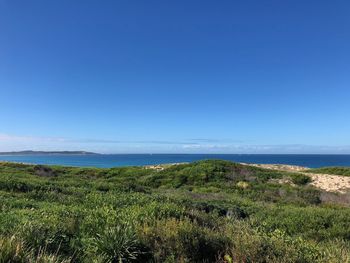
(175,76)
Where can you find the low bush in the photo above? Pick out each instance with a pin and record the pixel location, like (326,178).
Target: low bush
(116,244)
(14,250)
(182,240)
(300,179)
(249,245)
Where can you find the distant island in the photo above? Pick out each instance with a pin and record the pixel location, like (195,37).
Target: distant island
(48,153)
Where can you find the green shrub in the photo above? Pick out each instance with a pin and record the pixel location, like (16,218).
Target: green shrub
(117,244)
(182,240)
(39,236)
(12,250)
(249,245)
(300,179)
(337,251)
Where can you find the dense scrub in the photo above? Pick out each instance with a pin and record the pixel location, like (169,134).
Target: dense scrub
(345,171)
(207,211)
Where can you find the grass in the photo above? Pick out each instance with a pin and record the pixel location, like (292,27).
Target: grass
(207,211)
(345,171)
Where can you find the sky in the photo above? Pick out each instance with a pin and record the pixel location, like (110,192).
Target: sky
(121,76)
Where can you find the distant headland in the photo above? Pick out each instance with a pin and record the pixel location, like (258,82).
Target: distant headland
(48,153)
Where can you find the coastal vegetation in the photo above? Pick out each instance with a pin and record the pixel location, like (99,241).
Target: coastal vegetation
(345,171)
(206,211)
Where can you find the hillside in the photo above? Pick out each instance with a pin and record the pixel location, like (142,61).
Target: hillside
(206,211)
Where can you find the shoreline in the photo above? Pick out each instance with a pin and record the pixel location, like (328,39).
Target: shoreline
(286,162)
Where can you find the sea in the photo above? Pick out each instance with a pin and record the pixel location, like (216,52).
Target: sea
(117,160)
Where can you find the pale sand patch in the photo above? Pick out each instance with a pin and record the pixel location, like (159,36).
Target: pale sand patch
(161,167)
(281,167)
(326,182)
(330,183)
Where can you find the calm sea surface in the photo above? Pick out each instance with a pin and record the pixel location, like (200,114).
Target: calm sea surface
(113,160)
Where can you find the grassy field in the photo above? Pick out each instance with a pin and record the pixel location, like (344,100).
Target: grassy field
(207,211)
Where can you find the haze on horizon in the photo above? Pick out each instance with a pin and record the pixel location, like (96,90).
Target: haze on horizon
(175,77)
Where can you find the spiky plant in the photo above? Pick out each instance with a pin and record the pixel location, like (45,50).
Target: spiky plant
(117,244)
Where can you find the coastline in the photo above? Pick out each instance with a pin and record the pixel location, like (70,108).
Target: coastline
(327,182)
(118,160)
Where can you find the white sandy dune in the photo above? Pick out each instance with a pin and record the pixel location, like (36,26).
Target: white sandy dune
(331,183)
(326,182)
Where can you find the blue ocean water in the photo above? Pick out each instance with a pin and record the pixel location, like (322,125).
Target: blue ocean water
(114,160)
